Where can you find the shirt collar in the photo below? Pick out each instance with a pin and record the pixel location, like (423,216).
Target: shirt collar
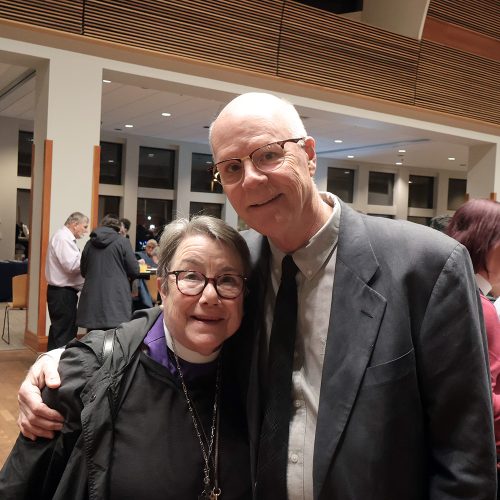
(483,284)
(310,258)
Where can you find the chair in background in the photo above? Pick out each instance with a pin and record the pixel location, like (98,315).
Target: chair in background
(152,285)
(19,301)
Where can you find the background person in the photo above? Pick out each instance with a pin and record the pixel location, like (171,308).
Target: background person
(147,255)
(108,264)
(124,227)
(177,421)
(476,224)
(377,393)
(62,271)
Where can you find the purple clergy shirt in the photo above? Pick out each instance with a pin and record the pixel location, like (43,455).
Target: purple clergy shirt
(156,348)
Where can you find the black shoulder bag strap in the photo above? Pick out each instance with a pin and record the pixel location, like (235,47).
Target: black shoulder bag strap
(108,345)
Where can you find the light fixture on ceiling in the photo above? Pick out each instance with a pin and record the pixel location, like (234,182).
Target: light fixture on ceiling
(399,163)
(451,158)
(338,141)
(401,150)
(111,161)
(166,114)
(129,126)
(151,155)
(106,81)
(149,217)
(347,172)
(350,156)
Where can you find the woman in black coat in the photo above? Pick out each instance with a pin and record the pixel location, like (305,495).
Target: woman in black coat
(108,264)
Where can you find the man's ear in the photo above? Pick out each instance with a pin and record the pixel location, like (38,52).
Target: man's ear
(310,149)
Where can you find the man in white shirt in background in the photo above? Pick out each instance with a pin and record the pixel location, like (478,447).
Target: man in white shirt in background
(62,270)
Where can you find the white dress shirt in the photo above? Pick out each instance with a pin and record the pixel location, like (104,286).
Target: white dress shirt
(316,263)
(62,267)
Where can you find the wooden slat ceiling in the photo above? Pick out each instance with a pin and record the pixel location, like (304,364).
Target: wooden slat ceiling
(62,15)
(290,40)
(240,34)
(457,82)
(325,49)
(482,16)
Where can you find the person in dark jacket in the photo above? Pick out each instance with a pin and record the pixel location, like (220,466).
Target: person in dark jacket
(160,415)
(108,264)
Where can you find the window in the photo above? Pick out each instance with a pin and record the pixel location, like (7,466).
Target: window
(108,205)
(380,188)
(156,168)
(152,215)
(425,221)
(421,191)
(197,208)
(201,178)
(341,182)
(457,189)
(111,163)
(24,154)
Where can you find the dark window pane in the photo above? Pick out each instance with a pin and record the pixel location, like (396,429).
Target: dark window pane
(380,188)
(425,221)
(24,154)
(421,191)
(456,193)
(385,216)
(152,215)
(108,205)
(198,208)
(201,178)
(111,163)
(156,168)
(340,181)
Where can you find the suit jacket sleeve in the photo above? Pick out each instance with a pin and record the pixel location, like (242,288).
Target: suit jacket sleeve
(453,373)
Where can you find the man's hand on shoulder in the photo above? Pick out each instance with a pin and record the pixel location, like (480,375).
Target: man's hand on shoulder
(36,419)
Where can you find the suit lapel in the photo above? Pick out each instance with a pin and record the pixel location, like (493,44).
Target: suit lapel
(355,317)
(254,319)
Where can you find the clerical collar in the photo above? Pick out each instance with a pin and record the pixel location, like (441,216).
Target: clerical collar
(187,354)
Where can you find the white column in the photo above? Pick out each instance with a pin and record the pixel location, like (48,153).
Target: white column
(68,112)
(483,176)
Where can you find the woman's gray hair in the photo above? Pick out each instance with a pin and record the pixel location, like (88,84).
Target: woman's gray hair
(214,228)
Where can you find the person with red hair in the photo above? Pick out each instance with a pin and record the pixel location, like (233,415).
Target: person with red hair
(476,225)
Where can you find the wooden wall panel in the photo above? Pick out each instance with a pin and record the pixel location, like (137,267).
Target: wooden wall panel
(458,83)
(62,15)
(482,16)
(229,32)
(324,49)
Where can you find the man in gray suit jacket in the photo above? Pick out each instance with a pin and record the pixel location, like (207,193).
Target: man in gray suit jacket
(390,395)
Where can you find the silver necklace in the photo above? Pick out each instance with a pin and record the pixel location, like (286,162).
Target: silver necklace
(209,492)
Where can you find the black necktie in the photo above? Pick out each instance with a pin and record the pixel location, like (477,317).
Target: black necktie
(273,447)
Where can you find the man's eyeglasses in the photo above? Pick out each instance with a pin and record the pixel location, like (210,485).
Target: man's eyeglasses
(227,286)
(266,158)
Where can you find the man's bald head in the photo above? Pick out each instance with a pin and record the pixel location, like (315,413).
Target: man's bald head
(264,108)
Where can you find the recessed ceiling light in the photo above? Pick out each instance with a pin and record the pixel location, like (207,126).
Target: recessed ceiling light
(106,81)
(402,151)
(350,156)
(347,172)
(451,158)
(166,114)
(399,163)
(129,126)
(111,161)
(338,141)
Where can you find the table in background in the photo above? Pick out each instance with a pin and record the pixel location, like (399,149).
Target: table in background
(8,269)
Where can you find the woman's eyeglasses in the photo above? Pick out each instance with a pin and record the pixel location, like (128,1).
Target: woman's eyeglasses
(227,286)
